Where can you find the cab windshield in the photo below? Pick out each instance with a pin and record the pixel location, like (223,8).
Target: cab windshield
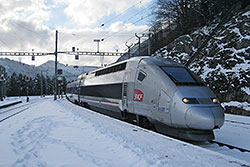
(181,76)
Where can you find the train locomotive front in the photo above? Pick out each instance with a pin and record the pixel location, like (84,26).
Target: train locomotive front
(183,106)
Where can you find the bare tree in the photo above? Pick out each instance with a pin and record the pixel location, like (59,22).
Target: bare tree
(190,14)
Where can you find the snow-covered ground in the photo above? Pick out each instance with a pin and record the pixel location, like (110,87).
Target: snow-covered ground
(9,100)
(242,105)
(235,126)
(58,133)
(234,132)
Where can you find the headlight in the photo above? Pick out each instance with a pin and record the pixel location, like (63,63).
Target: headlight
(185,100)
(190,101)
(215,100)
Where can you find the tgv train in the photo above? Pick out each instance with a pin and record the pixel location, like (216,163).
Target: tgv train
(153,93)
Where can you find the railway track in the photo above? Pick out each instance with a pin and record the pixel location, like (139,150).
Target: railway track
(11,112)
(12,115)
(238,122)
(226,149)
(11,109)
(229,146)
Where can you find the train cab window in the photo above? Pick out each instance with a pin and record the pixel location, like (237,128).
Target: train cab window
(180,76)
(141,76)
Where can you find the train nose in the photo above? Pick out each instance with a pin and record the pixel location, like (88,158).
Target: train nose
(204,118)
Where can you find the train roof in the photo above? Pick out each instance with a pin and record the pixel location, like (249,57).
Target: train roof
(159,61)
(148,59)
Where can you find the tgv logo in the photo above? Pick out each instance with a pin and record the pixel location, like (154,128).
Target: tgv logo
(138,95)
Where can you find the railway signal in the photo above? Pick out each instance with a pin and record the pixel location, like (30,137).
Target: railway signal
(59,71)
(76,57)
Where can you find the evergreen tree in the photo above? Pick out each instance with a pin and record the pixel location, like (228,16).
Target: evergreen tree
(3,78)
(49,85)
(12,89)
(26,85)
(37,85)
(3,72)
(20,84)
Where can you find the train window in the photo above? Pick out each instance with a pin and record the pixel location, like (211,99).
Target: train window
(116,68)
(101,72)
(141,76)
(112,69)
(180,75)
(108,70)
(123,66)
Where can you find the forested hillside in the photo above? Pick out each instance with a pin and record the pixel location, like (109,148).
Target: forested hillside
(18,76)
(224,61)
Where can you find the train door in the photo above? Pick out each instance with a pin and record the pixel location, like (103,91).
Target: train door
(141,89)
(80,85)
(78,90)
(125,91)
(163,113)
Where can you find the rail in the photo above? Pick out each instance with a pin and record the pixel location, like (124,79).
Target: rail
(229,146)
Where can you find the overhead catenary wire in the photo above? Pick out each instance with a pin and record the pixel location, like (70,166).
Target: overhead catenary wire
(139,12)
(122,43)
(5,44)
(28,29)
(15,34)
(127,40)
(128,20)
(25,27)
(126,26)
(110,20)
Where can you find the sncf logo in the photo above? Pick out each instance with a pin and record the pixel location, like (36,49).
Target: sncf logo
(138,95)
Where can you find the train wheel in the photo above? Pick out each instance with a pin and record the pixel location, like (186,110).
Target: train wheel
(145,123)
(124,115)
(86,105)
(128,117)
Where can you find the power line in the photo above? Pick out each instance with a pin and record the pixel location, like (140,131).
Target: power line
(127,26)
(122,43)
(28,29)
(103,24)
(6,45)
(134,15)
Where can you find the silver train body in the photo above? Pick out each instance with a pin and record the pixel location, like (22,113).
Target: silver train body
(151,92)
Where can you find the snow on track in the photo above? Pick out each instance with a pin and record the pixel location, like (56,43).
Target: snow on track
(58,133)
(235,131)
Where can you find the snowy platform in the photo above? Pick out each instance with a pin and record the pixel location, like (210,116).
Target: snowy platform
(10,100)
(58,133)
(9,104)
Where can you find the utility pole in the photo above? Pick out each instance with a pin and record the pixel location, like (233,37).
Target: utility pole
(98,41)
(129,46)
(149,43)
(139,42)
(55,91)
(101,56)
(41,83)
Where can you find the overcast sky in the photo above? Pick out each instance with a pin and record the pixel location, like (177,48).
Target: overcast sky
(31,24)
